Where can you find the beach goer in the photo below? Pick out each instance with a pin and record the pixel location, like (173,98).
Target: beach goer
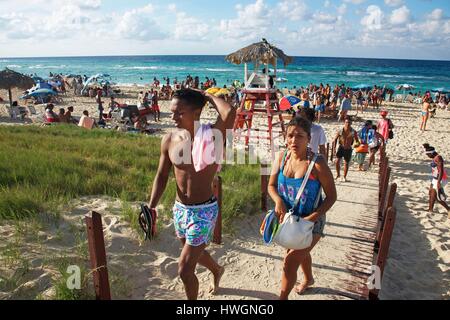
(305,99)
(99,104)
(68,116)
(86,121)
(320,106)
(155,106)
(196,208)
(376,142)
(439,179)
(62,115)
(346,138)
(362,150)
(346,106)
(425,114)
(359,102)
(318,136)
(287,177)
(385,126)
(50,115)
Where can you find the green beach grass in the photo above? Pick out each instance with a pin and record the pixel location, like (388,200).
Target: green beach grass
(43,169)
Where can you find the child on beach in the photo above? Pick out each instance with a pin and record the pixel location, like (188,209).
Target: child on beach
(438,179)
(288,174)
(196,208)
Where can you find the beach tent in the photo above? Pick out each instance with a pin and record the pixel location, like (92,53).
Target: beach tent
(10,79)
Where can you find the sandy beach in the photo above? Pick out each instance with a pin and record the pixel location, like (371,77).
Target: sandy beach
(419,260)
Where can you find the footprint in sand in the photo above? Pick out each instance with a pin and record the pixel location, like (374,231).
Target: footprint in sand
(167,266)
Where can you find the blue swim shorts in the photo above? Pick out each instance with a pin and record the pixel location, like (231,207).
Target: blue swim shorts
(196,224)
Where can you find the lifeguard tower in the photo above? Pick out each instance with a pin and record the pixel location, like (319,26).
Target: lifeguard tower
(259,95)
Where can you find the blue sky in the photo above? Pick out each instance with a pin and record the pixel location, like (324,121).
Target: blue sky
(410,29)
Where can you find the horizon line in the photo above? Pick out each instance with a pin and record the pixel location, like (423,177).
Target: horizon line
(211,55)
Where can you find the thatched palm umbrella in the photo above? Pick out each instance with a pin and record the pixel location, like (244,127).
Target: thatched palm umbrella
(11,79)
(259,53)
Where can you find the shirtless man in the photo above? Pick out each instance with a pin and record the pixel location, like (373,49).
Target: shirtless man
(346,138)
(305,99)
(196,208)
(425,113)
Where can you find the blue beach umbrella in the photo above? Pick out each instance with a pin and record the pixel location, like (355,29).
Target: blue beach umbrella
(40,93)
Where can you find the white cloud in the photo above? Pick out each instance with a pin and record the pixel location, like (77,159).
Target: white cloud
(354,1)
(293,10)
(400,16)
(393,3)
(325,18)
(138,24)
(172,7)
(189,28)
(436,14)
(327,4)
(252,22)
(342,9)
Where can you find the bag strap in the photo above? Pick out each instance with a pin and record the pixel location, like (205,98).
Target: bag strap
(305,181)
(283,162)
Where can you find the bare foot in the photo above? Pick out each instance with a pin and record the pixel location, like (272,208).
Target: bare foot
(338,177)
(216,284)
(303,287)
(346,180)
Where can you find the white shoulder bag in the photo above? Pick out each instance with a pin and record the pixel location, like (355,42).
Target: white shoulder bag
(296,233)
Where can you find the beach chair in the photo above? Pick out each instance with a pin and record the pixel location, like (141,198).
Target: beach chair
(398,98)
(32,110)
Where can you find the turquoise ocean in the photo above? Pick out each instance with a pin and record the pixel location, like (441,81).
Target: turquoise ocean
(128,70)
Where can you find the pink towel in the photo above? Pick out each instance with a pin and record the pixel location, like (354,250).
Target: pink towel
(203,151)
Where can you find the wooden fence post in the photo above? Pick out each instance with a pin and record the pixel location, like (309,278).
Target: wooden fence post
(384,189)
(217,188)
(97,252)
(328,152)
(389,204)
(384,248)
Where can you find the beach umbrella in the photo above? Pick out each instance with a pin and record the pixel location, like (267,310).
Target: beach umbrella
(289,102)
(441,90)
(39,93)
(10,79)
(261,53)
(362,87)
(212,91)
(405,87)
